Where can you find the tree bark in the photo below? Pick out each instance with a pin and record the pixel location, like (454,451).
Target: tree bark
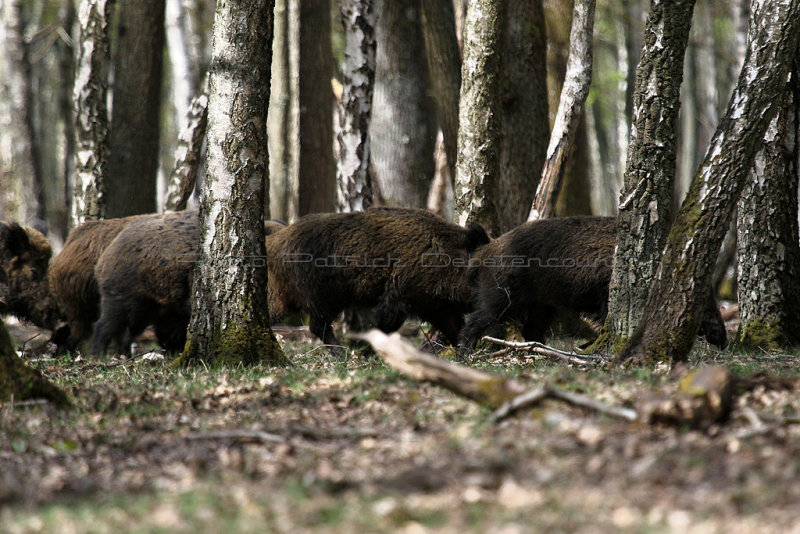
(402,130)
(444,68)
(91,114)
(230,323)
(478,163)
(281,203)
(672,314)
(645,202)
(183,178)
(66,72)
(573,96)
(524,123)
(130,185)
(316,172)
(358,76)
(23,173)
(19,382)
(769,254)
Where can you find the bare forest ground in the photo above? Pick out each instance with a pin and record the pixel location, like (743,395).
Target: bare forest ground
(350,445)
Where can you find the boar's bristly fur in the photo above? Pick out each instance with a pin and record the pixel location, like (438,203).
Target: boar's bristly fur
(403,262)
(145,277)
(539,267)
(24,289)
(72,279)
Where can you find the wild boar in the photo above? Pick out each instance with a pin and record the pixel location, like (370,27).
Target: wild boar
(24,289)
(145,278)
(538,268)
(401,262)
(72,279)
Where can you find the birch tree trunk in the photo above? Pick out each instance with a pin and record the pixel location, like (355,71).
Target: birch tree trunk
(182,179)
(478,163)
(645,201)
(279,122)
(358,75)
(769,254)
(673,311)
(402,130)
(573,96)
(230,323)
(22,173)
(444,67)
(130,185)
(316,172)
(91,114)
(66,71)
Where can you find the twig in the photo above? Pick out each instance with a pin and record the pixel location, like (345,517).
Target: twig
(544,350)
(23,403)
(495,354)
(534,396)
(252,435)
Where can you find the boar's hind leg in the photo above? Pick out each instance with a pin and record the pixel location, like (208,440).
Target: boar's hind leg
(537,322)
(321,327)
(112,324)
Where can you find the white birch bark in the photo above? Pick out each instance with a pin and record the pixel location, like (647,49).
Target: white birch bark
(91,114)
(573,96)
(358,76)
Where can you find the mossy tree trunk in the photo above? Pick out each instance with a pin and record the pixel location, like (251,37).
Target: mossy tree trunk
(230,322)
(673,311)
(402,130)
(91,112)
(358,75)
(20,382)
(768,250)
(316,170)
(130,184)
(646,197)
(478,163)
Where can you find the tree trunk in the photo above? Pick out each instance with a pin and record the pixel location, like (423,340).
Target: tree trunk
(22,176)
(645,202)
(91,114)
(769,254)
(570,106)
(66,72)
(279,126)
(19,382)
(478,162)
(358,76)
(316,172)
(673,311)
(130,185)
(524,123)
(183,178)
(230,323)
(444,68)
(402,130)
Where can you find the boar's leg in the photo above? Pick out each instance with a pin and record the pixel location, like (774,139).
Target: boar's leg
(171,330)
(537,322)
(447,321)
(321,327)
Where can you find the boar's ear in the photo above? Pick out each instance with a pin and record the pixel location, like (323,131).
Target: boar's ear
(476,236)
(14,239)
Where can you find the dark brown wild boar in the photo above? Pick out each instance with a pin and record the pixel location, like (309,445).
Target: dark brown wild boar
(540,267)
(72,279)
(402,262)
(24,290)
(145,278)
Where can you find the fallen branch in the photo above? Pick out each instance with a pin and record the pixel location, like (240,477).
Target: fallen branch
(544,350)
(535,396)
(246,435)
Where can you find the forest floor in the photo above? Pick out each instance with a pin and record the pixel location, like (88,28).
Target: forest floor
(350,445)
